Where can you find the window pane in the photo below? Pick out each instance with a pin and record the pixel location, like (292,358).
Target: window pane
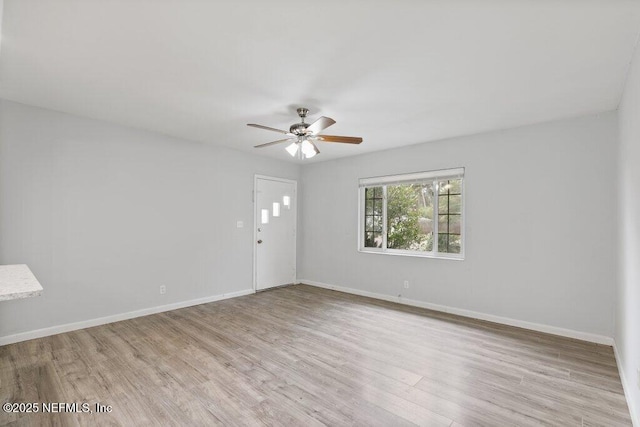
(368,193)
(368,207)
(443,204)
(449,243)
(450,186)
(368,239)
(377,207)
(377,192)
(455,203)
(456,186)
(455,242)
(368,223)
(449,224)
(443,187)
(377,224)
(443,224)
(410,217)
(373,240)
(454,224)
(443,242)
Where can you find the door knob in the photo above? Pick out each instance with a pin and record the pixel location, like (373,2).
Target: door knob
(259,241)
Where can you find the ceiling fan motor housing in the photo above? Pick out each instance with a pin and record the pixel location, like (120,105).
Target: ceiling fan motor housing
(299,128)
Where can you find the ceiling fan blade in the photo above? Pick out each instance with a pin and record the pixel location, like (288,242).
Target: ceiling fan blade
(273,142)
(320,124)
(267,128)
(343,139)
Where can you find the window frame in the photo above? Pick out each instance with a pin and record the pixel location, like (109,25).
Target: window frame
(428,176)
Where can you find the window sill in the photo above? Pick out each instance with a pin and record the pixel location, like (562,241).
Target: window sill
(452,257)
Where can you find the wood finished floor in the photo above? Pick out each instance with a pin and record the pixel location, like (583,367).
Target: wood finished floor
(306,356)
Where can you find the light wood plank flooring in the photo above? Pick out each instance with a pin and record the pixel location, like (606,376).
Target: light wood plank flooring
(306,356)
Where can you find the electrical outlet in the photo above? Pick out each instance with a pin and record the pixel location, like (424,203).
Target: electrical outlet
(163,290)
(406,284)
(638,377)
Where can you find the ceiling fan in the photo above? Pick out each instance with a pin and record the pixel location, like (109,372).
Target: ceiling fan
(304,135)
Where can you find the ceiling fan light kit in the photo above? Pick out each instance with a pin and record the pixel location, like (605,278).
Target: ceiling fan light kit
(308,148)
(292,149)
(304,135)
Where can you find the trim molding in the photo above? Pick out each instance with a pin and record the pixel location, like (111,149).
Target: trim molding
(626,386)
(68,327)
(569,333)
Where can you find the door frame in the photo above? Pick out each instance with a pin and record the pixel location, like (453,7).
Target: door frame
(256,217)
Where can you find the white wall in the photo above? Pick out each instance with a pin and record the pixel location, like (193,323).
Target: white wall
(627,334)
(541,232)
(104,215)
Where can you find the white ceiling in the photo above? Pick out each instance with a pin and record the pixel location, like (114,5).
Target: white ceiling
(394,72)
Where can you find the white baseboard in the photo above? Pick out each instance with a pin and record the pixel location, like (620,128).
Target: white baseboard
(584,336)
(626,386)
(67,327)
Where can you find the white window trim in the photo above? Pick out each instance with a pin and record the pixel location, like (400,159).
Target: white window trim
(406,178)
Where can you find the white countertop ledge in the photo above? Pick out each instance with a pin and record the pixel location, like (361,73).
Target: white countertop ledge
(17,281)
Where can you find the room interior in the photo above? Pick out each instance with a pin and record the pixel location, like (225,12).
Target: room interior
(126,165)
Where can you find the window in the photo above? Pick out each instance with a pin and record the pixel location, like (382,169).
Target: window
(415,214)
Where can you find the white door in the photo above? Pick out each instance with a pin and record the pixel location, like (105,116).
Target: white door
(275,232)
